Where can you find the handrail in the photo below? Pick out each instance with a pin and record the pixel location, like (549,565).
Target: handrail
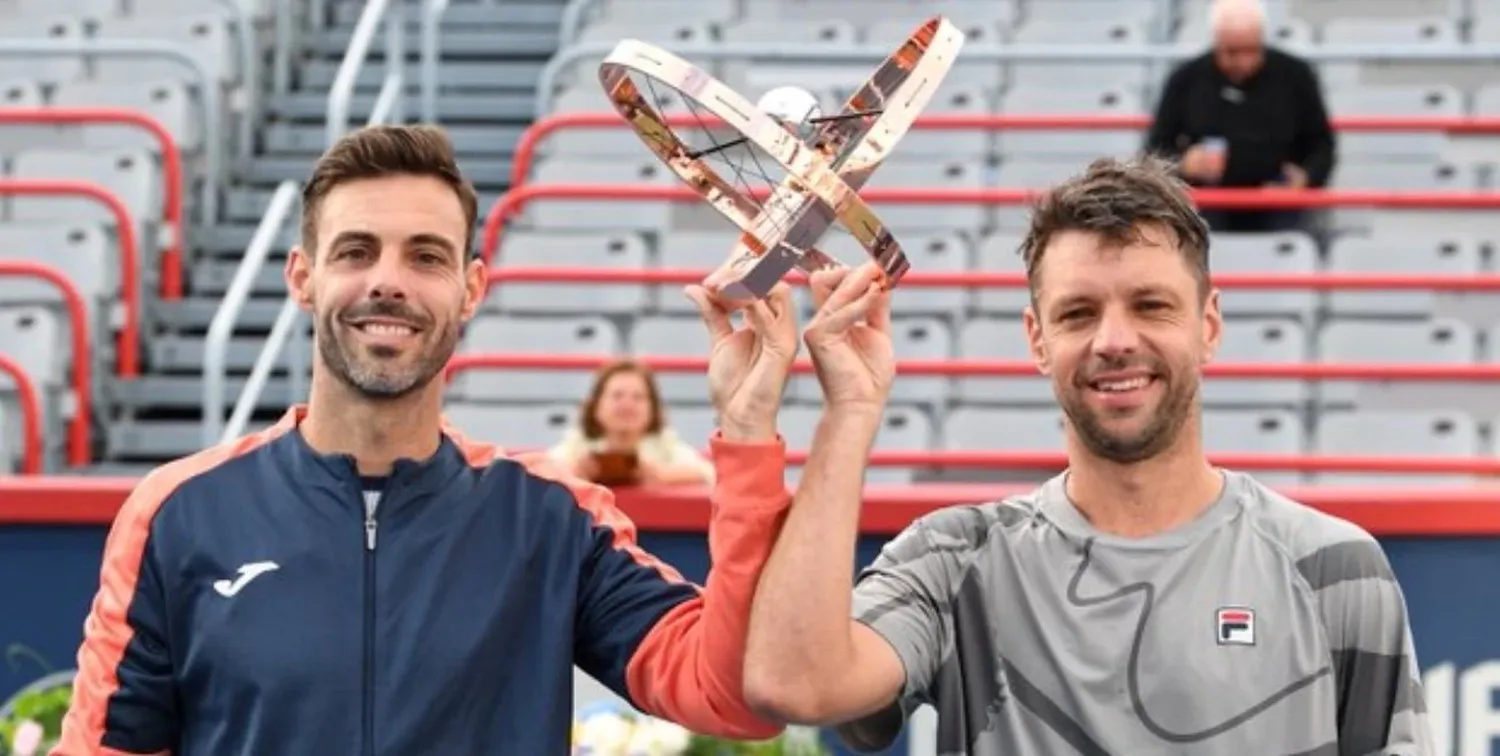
(221,328)
(388,106)
(513,201)
(79,451)
(250,83)
(208,90)
(1320,281)
(975,368)
(432,19)
(342,91)
(573,17)
(572,54)
(31,415)
(128,348)
(531,139)
(172,172)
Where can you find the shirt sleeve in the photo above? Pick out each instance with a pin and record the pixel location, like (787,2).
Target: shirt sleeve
(906,596)
(124,691)
(1382,709)
(671,648)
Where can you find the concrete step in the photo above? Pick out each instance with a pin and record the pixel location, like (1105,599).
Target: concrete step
(194,315)
(246,204)
(231,239)
(184,354)
(547,13)
(212,277)
(515,107)
(180,392)
(498,42)
(471,141)
(476,75)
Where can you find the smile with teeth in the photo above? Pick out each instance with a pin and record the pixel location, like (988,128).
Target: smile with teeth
(385,329)
(1123,385)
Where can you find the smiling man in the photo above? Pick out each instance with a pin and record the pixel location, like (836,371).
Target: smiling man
(363,579)
(1142,602)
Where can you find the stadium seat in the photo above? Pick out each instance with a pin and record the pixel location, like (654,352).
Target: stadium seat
(1432,101)
(33,338)
(1277,432)
(998,339)
(545,336)
(1408,435)
(619,251)
(1438,341)
(928,253)
(601,214)
(52,24)
(1389,253)
(674,337)
(166,100)
(205,36)
(81,251)
(9,461)
(131,175)
(512,427)
(914,338)
(1435,31)
(1286,252)
(828,32)
(1000,253)
(1259,340)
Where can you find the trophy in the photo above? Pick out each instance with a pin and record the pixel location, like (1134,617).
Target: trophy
(825,159)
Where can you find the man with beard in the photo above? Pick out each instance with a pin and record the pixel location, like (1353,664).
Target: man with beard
(362,578)
(1143,601)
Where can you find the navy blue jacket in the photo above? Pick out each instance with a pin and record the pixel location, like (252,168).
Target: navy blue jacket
(251,604)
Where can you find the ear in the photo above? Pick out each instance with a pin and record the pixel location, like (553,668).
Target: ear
(476,285)
(1034,342)
(298,275)
(1213,327)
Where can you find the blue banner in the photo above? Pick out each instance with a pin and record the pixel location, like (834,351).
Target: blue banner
(1452,587)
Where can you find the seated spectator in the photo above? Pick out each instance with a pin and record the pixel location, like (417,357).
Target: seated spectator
(1245,114)
(622,438)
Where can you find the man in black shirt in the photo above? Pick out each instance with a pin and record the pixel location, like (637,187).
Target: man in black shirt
(1245,114)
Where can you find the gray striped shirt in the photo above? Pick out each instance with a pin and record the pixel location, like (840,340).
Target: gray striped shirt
(1262,627)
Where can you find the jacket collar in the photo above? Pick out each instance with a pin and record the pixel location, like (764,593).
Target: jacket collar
(340,472)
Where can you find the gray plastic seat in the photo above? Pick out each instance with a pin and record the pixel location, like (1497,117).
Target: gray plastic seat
(1027,173)
(80,251)
(593,336)
(1079,28)
(1075,146)
(165,100)
(1414,254)
(992,12)
(1289,252)
(999,252)
(1353,30)
(14,137)
(830,32)
(55,25)
(1406,435)
(33,338)
(902,429)
(1438,341)
(9,461)
(1259,340)
(207,37)
(607,214)
(1256,432)
(1432,100)
(512,427)
(891,32)
(1008,429)
(611,251)
(906,219)
(131,175)
(999,339)
(1393,176)
(674,337)
(1293,34)
(640,13)
(691,250)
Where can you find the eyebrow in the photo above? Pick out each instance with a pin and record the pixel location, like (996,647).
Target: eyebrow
(345,237)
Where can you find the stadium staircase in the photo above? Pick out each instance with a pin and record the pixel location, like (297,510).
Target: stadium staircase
(491,56)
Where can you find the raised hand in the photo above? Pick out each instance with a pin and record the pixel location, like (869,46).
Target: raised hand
(849,338)
(748,366)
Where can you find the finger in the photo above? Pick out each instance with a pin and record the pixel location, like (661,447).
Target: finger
(840,320)
(878,315)
(714,315)
(852,287)
(823,282)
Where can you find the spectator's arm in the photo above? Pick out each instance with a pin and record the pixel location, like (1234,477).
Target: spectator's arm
(1315,144)
(1168,127)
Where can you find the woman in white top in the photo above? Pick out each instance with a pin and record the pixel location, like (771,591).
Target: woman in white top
(622,438)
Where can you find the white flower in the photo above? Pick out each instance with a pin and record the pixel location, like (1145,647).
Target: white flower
(658,737)
(28,738)
(603,734)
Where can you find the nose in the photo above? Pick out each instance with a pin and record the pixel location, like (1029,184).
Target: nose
(387,277)
(1116,335)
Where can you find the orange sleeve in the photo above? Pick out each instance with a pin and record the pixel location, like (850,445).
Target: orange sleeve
(686,663)
(122,694)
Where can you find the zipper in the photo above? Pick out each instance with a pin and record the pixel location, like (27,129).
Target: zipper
(370,526)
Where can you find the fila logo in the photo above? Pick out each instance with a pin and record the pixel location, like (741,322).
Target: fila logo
(247,572)
(1235,626)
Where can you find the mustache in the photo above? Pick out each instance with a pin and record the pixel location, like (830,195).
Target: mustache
(385,308)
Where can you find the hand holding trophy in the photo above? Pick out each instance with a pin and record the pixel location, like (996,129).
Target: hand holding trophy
(825,159)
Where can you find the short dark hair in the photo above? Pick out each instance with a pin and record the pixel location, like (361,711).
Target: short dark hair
(1114,198)
(380,151)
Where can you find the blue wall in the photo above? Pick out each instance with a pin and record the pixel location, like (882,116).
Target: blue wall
(1452,587)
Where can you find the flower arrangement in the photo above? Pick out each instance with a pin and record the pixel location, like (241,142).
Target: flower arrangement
(31,722)
(614,729)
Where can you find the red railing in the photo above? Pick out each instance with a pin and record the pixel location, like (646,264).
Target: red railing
(515,200)
(128,347)
(171,164)
(78,428)
(532,138)
(31,415)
